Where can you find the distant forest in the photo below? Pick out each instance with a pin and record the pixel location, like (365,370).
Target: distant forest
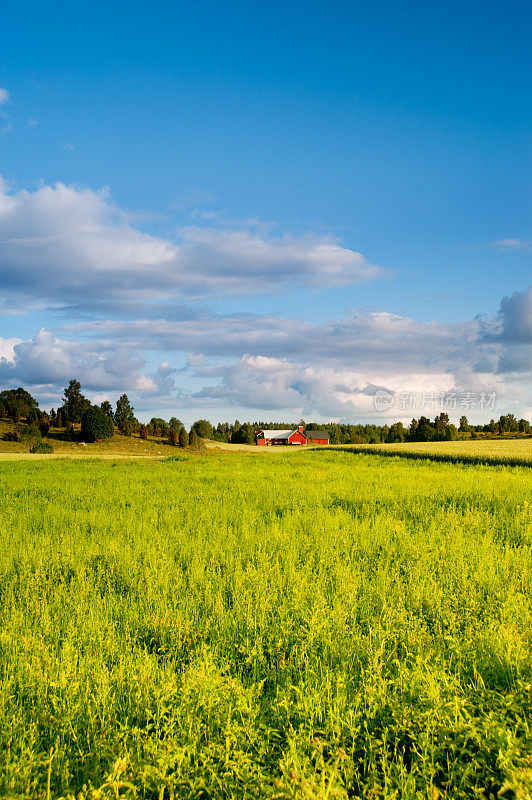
(83,420)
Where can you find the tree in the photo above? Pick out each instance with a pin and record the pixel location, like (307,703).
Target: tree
(44,425)
(124,417)
(441,423)
(396,433)
(19,404)
(464,426)
(96,424)
(243,435)
(425,431)
(421,430)
(107,408)
(524,426)
(508,424)
(158,426)
(451,433)
(183,438)
(75,404)
(173,437)
(203,428)
(32,437)
(175,424)
(196,442)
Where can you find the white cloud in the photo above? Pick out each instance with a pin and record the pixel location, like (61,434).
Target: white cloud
(7,351)
(4,96)
(379,341)
(329,369)
(45,361)
(70,246)
(267,365)
(261,383)
(511,244)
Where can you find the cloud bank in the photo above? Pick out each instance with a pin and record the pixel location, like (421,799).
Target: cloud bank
(133,321)
(274,365)
(67,246)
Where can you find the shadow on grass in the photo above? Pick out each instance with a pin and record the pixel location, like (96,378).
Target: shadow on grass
(450,458)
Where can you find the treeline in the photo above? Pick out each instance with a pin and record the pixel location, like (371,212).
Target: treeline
(84,420)
(439,429)
(79,417)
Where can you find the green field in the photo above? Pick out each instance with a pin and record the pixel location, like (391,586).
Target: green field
(325,625)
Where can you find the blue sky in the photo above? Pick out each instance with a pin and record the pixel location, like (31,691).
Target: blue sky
(285,205)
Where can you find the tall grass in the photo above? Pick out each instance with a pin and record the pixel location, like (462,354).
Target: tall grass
(322,626)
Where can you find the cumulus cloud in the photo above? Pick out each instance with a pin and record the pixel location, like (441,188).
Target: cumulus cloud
(73,250)
(163,381)
(267,383)
(361,340)
(267,364)
(69,246)
(332,368)
(516,314)
(516,332)
(45,361)
(7,352)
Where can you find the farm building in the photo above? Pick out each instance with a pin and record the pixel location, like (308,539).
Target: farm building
(288,437)
(317,437)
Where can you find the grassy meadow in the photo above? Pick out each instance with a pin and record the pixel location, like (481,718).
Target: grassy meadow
(323,625)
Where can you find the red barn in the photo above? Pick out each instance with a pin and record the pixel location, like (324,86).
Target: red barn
(286,437)
(317,437)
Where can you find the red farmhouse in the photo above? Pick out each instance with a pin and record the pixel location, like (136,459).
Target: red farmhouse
(295,436)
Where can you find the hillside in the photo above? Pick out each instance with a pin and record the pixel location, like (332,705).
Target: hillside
(117,446)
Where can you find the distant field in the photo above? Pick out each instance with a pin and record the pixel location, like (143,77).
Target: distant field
(484,451)
(495,451)
(327,625)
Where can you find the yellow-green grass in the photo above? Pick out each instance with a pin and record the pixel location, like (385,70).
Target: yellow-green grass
(482,451)
(327,625)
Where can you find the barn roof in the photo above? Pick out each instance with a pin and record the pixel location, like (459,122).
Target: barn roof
(277,434)
(316,434)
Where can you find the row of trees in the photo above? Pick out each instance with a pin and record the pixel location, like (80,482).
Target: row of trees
(100,421)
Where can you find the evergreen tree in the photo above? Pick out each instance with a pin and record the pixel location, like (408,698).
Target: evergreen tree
(195,441)
(183,438)
(96,424)
(75,404)
(107,408)
(19,404)
(124,417)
